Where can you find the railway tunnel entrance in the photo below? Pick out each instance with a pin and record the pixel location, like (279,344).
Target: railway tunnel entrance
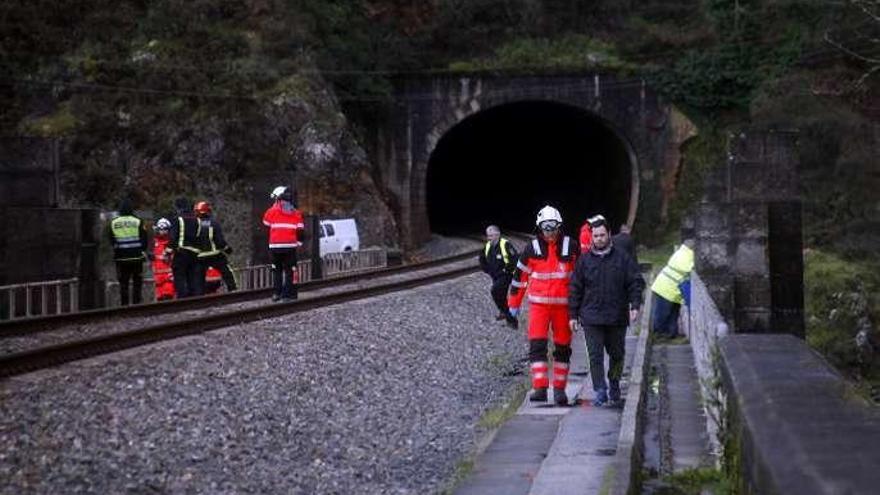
(503,164)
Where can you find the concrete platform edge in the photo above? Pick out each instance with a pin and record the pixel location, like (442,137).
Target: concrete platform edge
(624,478)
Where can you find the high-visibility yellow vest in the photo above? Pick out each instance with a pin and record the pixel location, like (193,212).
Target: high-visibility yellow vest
(213,250)
(677,269)
(504,254)
(127,238)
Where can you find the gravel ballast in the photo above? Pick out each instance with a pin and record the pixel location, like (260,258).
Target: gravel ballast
(379,396)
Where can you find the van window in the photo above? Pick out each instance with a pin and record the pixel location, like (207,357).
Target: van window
(321,233)
(330,231)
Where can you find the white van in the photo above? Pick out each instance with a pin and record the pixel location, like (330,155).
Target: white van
(338,236)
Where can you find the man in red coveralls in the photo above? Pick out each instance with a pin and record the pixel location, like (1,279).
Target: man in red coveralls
(162,277)
(543,270)
(286,228)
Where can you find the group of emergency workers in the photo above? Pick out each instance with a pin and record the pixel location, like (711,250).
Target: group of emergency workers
(569,284)
(189,252)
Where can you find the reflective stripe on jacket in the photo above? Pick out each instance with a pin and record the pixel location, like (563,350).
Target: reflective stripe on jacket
(161,260)
(128,242)
(677,269)
(284,226)
(186,237)
(543,271)
(498,260)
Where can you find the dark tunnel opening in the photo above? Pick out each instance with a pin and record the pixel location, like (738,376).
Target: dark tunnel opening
(500,166)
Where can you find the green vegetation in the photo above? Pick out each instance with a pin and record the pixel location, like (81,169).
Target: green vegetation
(569,52)
(494,418)
(696,482)
(842,296)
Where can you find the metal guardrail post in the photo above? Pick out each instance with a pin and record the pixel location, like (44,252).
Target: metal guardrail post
(315,241)
(28,300)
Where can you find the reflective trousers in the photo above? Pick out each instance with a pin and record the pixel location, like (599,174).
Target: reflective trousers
(543,317)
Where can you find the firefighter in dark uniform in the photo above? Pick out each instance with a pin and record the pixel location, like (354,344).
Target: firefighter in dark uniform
(498,260)
(184,244)
(213,246)
(129,238)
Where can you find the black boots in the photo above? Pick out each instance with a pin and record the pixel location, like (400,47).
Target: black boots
(559,397)
(539,395)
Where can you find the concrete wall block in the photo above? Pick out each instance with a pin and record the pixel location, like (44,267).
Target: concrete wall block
(747,145)
(752,292)
(27,189)
(713,220)
(713,256)
(751,258)
(800,427)
(749,221)
(752,320)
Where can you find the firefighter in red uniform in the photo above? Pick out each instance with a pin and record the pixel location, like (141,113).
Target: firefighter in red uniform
(285,235)
(162,277)
(586,233)
(543,270)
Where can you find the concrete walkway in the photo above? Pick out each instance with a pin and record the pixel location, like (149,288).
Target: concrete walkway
(546,450)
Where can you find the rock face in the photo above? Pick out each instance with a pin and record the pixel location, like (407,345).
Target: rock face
(230,152)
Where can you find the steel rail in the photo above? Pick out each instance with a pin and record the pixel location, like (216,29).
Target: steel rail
(49,356)
(29,326)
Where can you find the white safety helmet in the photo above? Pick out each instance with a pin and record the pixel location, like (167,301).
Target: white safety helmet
(549,214)
(162,224)
(596,220)
(277,192)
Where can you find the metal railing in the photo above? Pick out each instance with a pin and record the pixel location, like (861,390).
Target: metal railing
(354,261)
(260,276)
(39,298)
(62,296)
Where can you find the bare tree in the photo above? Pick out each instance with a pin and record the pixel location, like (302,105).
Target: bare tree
(864,45)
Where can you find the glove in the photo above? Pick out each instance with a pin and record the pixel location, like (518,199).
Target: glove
(514,312)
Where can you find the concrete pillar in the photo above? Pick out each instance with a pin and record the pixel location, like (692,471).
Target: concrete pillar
(749,234)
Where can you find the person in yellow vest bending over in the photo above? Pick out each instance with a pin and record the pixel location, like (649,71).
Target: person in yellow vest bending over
(667,290)
(129,238)
(498,260)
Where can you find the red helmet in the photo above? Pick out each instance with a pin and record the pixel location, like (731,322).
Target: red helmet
(202,208)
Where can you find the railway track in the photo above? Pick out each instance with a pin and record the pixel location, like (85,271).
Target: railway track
(75,347)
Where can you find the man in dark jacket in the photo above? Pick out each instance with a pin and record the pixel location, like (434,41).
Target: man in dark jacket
(212,246)
(184,244)
(605,294)
(129,238)
(498,260)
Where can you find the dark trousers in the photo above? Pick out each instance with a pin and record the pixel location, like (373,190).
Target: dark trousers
(499,293)
(186,274)
(601,339)
(283,267)
(219,262)
(664,317)
(130,274)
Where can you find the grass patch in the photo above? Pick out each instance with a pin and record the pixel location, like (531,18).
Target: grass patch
(497,416)
(695,482)
(840,299)
(657,255)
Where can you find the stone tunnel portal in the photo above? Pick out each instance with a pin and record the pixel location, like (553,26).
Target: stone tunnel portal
(503,164)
